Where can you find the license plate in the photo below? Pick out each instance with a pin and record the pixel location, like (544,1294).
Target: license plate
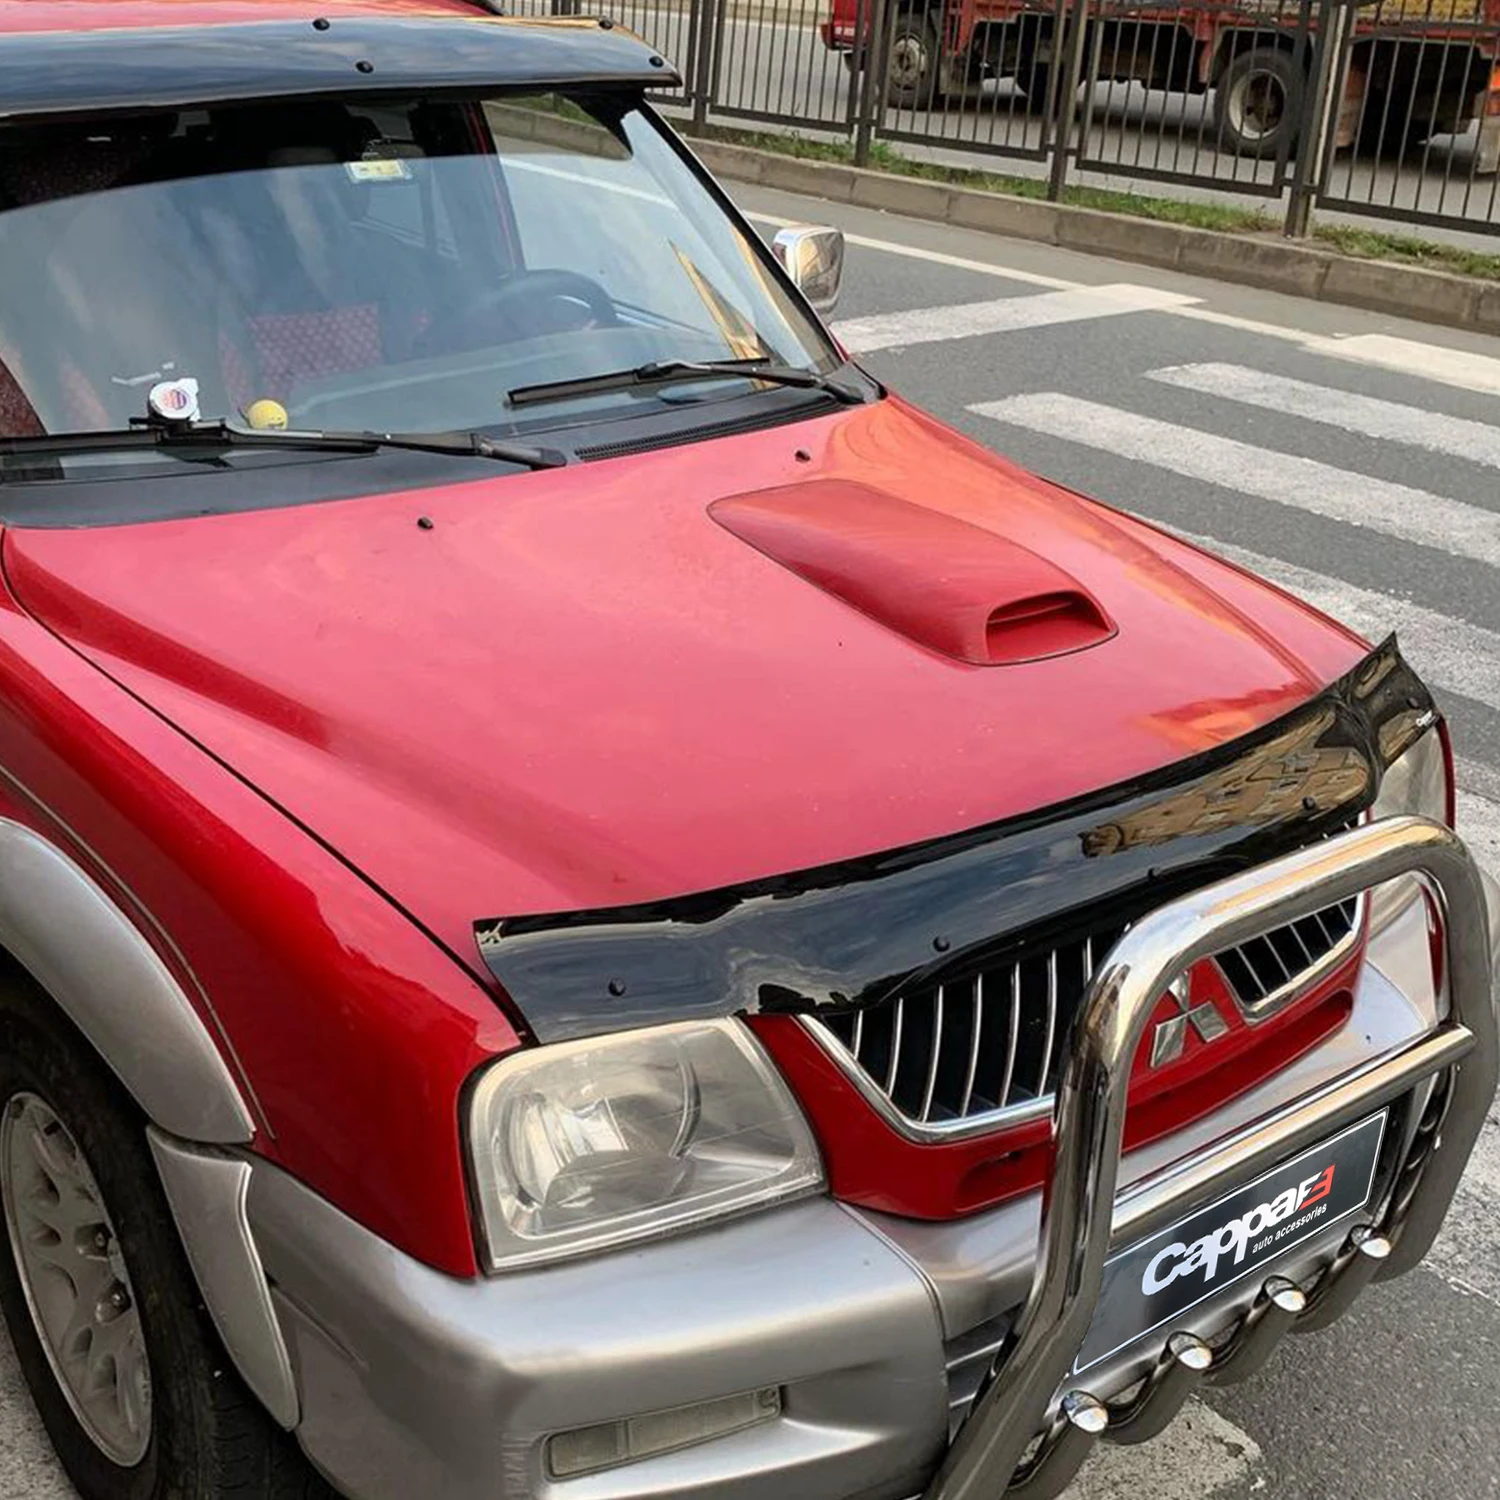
(1161,1278)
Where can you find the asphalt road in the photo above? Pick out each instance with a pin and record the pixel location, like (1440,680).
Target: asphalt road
(1353,458)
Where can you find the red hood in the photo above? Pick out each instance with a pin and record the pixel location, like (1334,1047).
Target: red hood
(579,688)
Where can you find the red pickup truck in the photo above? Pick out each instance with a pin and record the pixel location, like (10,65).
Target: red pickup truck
(590,903)
(1417,68)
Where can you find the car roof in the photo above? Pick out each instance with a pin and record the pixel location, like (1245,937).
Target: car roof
(101,15)
(85,57)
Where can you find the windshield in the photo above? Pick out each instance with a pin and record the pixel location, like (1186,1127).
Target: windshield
(398,266)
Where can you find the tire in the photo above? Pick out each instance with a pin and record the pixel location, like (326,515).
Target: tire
(68,1130)
(1258,103)
(916,73)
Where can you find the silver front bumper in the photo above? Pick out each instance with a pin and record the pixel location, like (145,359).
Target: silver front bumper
(411,1382)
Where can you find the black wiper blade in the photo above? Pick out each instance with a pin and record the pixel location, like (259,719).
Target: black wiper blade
(466,444)
(224,435)
(660,371)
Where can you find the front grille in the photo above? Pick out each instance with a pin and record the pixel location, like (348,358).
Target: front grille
(970,1045)
(1267,966)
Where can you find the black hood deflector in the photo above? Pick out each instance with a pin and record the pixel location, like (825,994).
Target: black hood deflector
(846,935)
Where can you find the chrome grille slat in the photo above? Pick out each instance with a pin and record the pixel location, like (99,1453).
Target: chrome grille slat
(1255,961)
(976,1031)
(1288,973)
(1296,931)
(895,1062)
(1003,1098)
(935,1058)
(1044,1068)
(930,1055)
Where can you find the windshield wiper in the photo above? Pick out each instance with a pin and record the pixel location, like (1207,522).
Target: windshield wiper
(661,371)
(223,435)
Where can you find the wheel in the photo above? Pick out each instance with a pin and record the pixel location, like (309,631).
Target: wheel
(131,1381)
(1258,102)
(916,73)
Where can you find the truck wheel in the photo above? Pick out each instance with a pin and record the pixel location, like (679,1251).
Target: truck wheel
(1258,102)
(132,1384)
(916,74)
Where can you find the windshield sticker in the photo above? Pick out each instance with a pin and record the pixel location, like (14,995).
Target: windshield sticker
(386,169)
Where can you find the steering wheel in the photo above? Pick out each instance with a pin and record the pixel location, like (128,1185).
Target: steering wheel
(525,305)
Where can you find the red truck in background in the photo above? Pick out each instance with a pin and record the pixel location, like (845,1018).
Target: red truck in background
(1417,68)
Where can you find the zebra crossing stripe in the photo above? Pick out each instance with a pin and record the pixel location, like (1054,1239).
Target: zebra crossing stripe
(1397,510)
(964,320)
(1456,437)
(1460,367)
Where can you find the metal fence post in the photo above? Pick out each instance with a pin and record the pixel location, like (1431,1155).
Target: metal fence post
(1065,101)
(705,41)
(1320,113)
(872,83)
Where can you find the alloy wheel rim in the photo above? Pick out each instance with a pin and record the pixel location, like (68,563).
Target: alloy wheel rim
(74,1278)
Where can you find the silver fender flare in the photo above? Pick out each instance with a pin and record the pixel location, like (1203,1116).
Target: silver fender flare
(93,963)
(91,959)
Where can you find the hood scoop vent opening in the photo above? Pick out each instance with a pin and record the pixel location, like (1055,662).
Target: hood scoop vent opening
(944,583)
(1044,625)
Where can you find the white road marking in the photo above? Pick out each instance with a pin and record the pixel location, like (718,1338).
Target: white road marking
(1474,372)
(930,325)
(1200,1455)
(1456,437)
(1304,484)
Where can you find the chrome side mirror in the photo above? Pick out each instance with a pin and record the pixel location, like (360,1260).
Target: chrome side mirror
(814,259)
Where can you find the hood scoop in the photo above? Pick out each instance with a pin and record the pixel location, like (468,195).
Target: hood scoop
(944,583)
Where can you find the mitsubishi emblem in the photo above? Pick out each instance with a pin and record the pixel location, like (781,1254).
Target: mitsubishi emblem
(1170,1036)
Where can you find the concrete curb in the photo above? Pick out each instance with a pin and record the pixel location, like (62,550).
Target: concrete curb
(1276,265)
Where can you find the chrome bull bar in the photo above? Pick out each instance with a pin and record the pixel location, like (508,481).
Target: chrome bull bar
(1081,1218)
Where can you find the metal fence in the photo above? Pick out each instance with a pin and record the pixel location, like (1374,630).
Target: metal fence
(1388,108)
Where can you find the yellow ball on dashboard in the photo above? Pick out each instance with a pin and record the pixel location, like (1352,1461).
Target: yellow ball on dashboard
(266,416)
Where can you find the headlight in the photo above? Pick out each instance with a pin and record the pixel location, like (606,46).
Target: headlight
(1415,784)
(580,1146)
